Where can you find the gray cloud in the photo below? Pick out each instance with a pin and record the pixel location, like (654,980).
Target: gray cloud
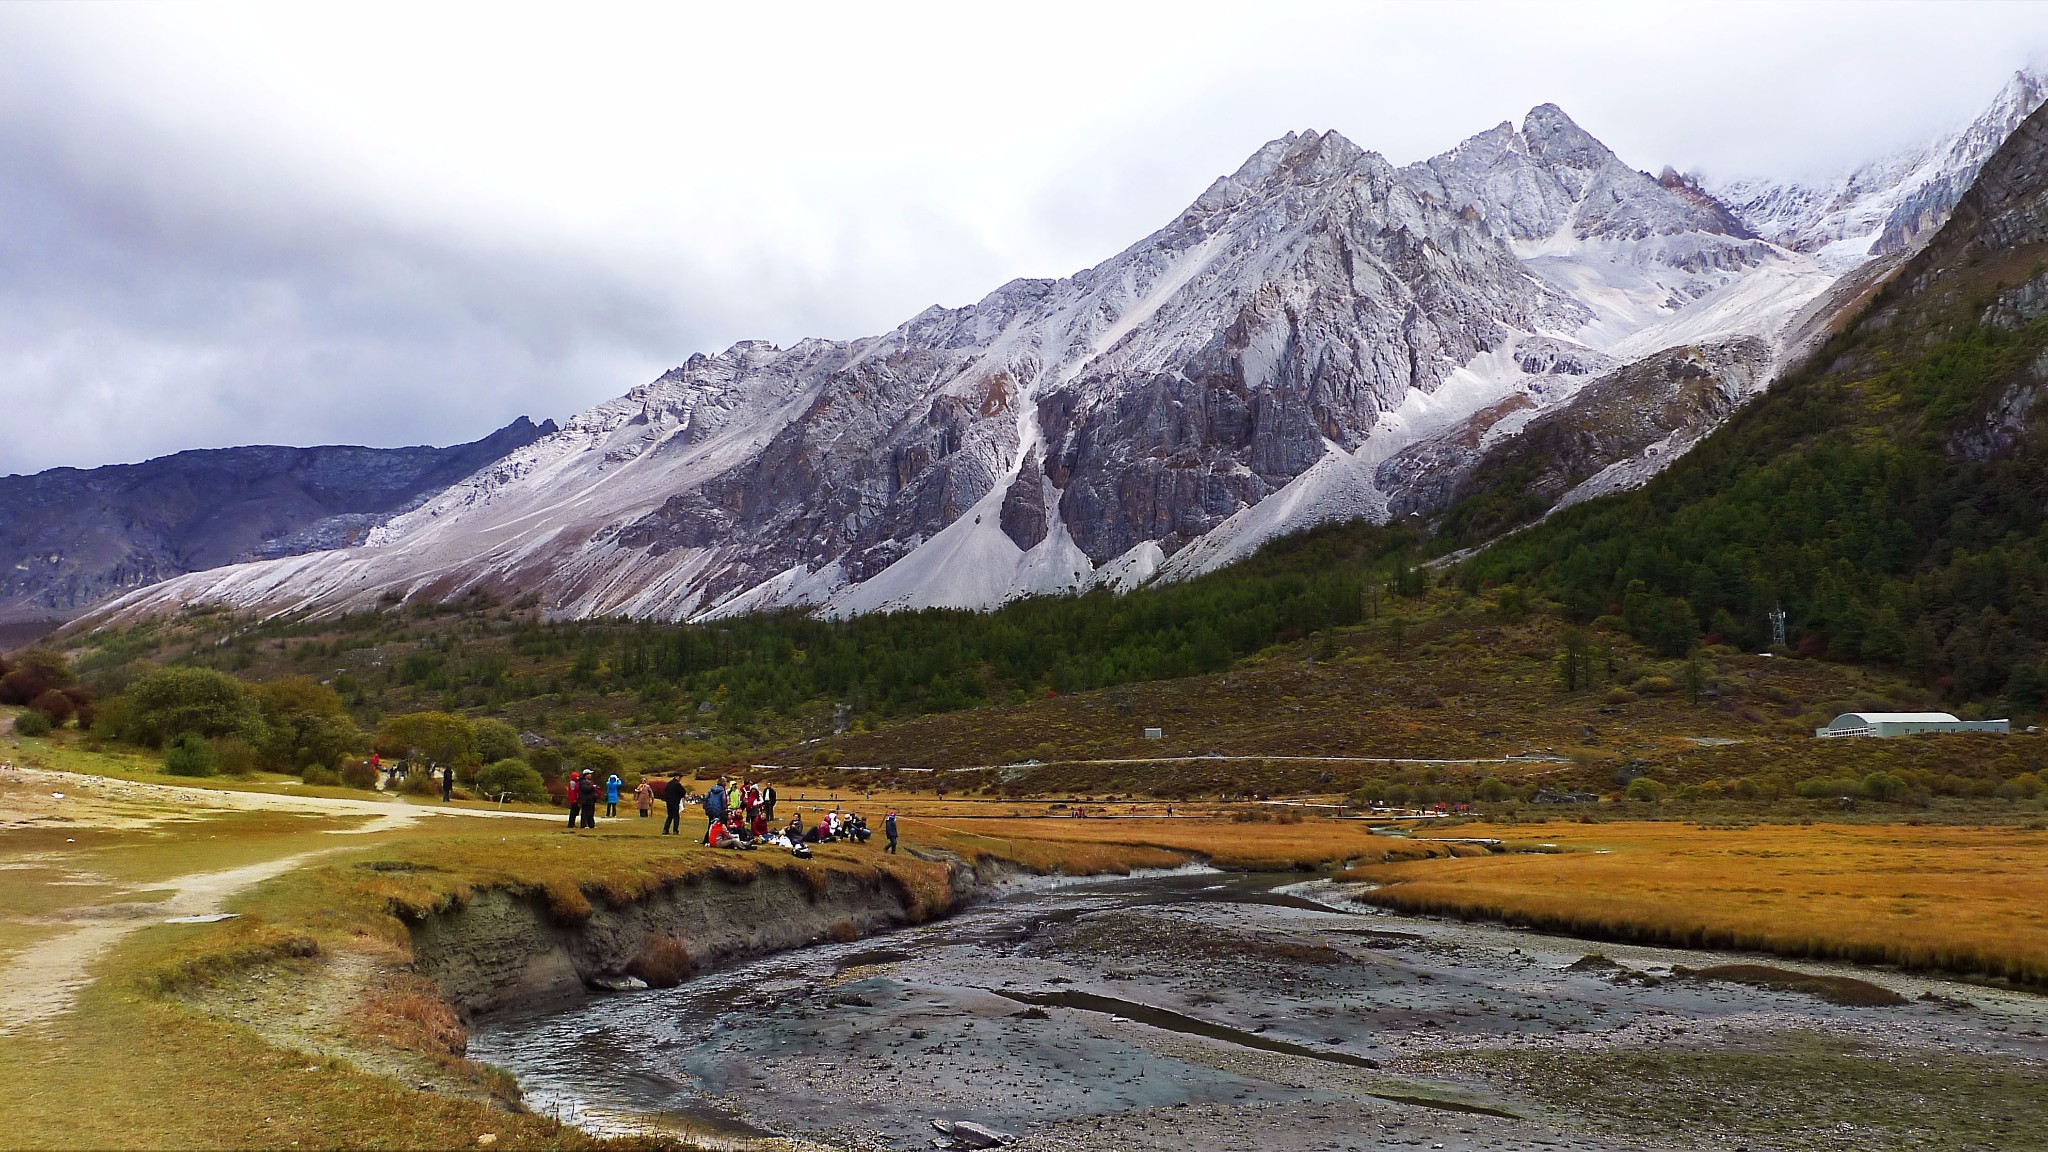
(217,230)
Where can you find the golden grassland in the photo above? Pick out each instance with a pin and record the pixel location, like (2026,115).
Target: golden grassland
(1955,899)
(1222,841)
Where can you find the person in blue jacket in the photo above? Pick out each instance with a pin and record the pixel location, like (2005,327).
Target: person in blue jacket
(889,829)
(714,807)
(611,794)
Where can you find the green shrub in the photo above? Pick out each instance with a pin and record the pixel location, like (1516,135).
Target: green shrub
(1493,790)
(495,741)
(170,702)
(1645,789)
(1884,786)
(421,782)
(512,778)
(1620,695)
(323,777)
(1655,685)
(190,755)
(32,723)
(1827,787)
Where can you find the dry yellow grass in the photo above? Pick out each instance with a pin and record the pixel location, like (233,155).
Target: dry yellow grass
(1965,900)
(1252,847)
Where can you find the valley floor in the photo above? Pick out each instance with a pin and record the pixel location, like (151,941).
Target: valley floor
(1199,1010)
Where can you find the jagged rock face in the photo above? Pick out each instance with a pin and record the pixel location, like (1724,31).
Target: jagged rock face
(1888,205)
(1553,176)
(70,538)
(1319,335)
(1640,416)
(1373,292)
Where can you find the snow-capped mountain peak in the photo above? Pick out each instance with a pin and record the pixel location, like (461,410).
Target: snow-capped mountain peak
(1886,206)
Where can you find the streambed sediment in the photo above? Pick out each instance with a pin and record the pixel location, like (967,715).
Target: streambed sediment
(1226,1012)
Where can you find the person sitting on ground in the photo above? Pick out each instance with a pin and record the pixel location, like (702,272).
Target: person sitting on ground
(795,830)
(759,823)
(857,830)
(741,835)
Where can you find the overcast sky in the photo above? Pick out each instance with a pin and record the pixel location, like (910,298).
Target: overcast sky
(286,223)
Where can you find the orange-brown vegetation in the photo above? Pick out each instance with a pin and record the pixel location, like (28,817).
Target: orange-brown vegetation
(1956,899)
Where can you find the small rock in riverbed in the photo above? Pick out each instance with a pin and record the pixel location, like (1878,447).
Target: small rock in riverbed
(618,983)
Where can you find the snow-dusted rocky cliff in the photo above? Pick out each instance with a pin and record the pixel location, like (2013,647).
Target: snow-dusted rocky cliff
(1885,206)
(1320,335)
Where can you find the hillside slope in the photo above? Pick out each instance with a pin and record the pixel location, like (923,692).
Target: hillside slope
(1889,496)
(73,537)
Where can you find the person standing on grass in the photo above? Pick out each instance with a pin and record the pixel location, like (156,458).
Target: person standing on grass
(612,785)
(571,788)
(768,799)
(447,784)
(889,830)
(643,797)
(714,806)
(672,798)
(586,793)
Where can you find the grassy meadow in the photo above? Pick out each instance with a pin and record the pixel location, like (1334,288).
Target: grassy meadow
(1955,899)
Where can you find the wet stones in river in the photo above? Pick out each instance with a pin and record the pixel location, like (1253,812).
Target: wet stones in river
(620,982)
(968,1134)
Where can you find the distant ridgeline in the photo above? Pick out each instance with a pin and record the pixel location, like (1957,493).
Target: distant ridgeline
(1889,494)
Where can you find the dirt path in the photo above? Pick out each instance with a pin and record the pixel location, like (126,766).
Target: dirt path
(46,978)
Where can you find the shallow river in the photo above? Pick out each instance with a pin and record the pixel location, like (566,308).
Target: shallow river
(1214,1011)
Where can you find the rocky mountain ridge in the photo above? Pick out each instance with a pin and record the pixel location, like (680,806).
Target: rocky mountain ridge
(1882,208)
(1260,364)
(72,537)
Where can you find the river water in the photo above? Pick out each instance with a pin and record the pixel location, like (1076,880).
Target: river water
(1228,1011)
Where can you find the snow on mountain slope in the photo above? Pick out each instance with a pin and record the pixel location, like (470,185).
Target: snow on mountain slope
(1254,367)
(1882,207)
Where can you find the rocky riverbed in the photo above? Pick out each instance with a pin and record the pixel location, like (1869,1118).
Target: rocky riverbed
(1212,1011)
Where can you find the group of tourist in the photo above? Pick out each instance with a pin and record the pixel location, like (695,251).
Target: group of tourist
(738,814)
(583,791)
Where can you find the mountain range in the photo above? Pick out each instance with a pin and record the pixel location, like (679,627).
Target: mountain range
(70,538)
(1473,340)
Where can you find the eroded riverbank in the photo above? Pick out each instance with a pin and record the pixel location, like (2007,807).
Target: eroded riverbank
(1226,1012)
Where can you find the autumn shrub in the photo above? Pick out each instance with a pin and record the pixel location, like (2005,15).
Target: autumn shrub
(358,774)
(664,963)
(56,705)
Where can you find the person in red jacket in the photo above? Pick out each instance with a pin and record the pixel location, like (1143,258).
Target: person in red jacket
(573,805)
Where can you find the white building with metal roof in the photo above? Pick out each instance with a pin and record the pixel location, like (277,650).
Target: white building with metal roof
(1905,724)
